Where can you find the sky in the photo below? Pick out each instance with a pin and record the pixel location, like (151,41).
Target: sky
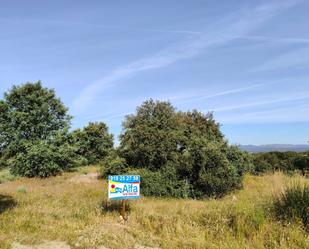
(246,61)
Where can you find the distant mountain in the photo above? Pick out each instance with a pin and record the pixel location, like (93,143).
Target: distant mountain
(275,147)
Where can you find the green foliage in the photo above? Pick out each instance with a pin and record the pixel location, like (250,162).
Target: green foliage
(181,154)
(149,137)
(162,183)
(241,160)
(212,173)
(93,142)
(31,112)
(3,163)
(5,175)
(284,161)
(42,159)
(293,204)
(112,164)
(34,131)
(302,163)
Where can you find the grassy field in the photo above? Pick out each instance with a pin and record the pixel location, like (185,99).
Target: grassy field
(72,208)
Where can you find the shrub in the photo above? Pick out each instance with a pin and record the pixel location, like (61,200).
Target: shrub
(113,164)
(114,206)
(241,160)
(284,161)
(93,142)
(3,163)
(293,204)
(212,173)
(302,163)
(5,175)
(162,183)
(42,159)
(182,154)
(261,166)
(149,139)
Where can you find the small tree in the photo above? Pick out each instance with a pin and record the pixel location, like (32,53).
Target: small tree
(302,163)
(93,142)
(185,152)
(149,138)
(32,122)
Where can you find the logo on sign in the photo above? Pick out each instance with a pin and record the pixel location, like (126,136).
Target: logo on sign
(123,187)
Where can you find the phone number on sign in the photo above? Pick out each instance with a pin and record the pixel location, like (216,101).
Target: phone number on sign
(124,178)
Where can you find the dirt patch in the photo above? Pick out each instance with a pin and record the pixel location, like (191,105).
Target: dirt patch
(45,245)
(86,178)
(137,246)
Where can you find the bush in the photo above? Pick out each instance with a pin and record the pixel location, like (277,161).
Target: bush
(162,183)
(302,163)
(113,164)
(241,160)
(284,161)
(5,175)
(42,159)
(181,154)
(213,174)
(3,163)
(149,139)
(108,206)
(93,142)
(293,204)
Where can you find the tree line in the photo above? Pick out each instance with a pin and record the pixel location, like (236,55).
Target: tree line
(284,161)
(179,154)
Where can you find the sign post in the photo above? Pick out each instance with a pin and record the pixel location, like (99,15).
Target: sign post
(123,187)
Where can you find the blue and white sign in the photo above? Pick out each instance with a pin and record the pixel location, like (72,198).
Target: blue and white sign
(124,187)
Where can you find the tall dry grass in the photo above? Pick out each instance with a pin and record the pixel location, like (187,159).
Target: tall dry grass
(60,209)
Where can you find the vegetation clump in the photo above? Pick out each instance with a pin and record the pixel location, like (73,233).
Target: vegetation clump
(284,161)
(112,164)
(293,204)
(33,132)
(180,154)
(93,142)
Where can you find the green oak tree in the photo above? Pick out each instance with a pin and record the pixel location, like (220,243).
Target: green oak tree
(93,142)
(185,152)
(34,127)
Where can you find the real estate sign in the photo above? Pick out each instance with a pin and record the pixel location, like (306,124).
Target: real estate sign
(122,187)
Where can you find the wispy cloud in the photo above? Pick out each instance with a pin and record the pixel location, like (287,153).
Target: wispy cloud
(296,40)
(302,96)
(202,95)
(95,25)
(296,58)
(183,100)
(183,97)
(297,113)
(236,25)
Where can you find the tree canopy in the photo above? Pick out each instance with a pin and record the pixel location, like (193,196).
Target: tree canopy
(185,150)
(93,142)
(32,122)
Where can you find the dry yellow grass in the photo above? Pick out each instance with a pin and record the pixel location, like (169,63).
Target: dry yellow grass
(36,210)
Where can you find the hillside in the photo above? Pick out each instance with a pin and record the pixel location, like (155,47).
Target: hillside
(275,147)
(70,211)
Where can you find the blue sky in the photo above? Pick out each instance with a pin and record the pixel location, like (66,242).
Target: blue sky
(245,60)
